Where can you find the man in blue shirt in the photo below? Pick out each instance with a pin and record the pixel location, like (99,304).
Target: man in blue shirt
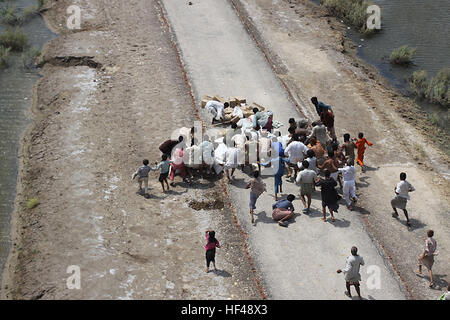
(320,106)
(283,210)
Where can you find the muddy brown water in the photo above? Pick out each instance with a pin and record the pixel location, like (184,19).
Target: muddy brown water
(420,24)
(16,84)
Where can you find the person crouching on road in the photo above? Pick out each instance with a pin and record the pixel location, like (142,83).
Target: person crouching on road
(283,210)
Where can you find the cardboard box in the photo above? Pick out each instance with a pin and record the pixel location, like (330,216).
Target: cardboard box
(219,99)
(240,100)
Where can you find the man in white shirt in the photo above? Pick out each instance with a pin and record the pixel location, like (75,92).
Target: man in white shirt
(351,271)
(216,109)
(231,161)
(296,152)
(349,187)
(401,197)
(306,178)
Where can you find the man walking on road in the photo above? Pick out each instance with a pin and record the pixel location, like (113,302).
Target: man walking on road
(351,271)
(348,173)
(402,196)
(329,195)
(306,179)
(257,187)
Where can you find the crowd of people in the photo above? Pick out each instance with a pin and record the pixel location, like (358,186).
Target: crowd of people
(309,154)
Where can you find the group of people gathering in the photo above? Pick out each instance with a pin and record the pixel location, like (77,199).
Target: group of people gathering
(309,154)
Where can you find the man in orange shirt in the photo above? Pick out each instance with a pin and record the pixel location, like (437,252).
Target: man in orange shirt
(361,145)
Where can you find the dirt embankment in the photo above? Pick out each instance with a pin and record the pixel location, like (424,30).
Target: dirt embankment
(110,94)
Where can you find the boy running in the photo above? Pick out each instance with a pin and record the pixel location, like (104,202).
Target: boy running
(361,145)
(164,166)
(142,172)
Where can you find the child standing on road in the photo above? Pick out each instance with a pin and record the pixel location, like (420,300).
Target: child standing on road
(361,145)
(164,166)
(211,244)
(142,172)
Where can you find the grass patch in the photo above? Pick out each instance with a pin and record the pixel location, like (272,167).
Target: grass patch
(32,203)
(15,39)
(402,55)
(29,58)
(4,56)
(353,12)
(9,15)
(436,90)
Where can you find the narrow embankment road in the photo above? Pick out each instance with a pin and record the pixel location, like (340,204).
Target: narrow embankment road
(299,262)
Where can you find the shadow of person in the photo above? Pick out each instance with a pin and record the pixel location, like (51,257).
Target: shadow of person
(263,218)
(362,183)
(339,223)
(415,224)
(438,279)
(152,196)
(314,213)
(176,193)
(239,183)
(222,273)
(360,210)
(372,168)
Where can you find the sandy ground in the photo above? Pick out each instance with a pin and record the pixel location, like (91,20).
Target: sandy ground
(95,114)
(110,94)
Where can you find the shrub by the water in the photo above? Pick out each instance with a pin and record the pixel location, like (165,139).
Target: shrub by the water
(4,56)
(403,55)
(419,83)
(9,14)
(29,57)
(436,90)
(15,39)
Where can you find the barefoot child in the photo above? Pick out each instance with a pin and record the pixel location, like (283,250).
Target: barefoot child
(361,145)
(257,187)
(211,244)
(164,166)
(142,172)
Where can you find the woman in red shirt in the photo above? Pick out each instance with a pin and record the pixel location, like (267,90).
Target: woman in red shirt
(211,245)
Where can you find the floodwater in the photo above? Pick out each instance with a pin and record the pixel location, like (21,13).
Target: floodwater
(421,24)
(16,84)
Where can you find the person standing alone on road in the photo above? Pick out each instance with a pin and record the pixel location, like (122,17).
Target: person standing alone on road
(401,197)
(351,271)
(211,244)
(427,257)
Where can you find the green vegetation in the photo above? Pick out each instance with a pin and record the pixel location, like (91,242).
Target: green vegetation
(4,56)
(29,57)
(419,83)
(436,90)
(15,39)
(9,15)
(403,55)
(32,203)
(353,12)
